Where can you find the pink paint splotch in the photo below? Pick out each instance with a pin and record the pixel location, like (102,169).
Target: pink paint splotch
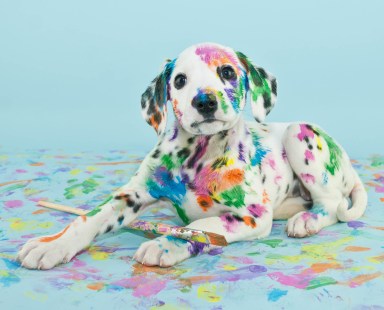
(213,55)
(13,204)
(296,280)
(309,155)
(142,286)
(230,222)
(308,178)
(305,132)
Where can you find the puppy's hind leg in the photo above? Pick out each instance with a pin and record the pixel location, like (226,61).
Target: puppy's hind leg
(321,165)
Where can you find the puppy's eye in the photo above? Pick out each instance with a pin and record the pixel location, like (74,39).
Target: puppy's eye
(180,81)
(228,73)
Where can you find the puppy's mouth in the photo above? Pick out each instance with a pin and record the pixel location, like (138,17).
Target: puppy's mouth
(206,121)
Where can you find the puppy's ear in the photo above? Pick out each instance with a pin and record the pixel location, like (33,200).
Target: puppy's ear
(262,88)
(154,99)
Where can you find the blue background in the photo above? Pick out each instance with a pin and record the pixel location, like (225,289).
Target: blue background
(72,72)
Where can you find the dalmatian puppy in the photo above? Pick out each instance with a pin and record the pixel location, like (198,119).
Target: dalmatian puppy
(218,172)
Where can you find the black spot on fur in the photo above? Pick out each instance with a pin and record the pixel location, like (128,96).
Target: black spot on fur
(274,86)
(137,195)
(137,207)
(238,218)
(109,228)
(120,219)
(199,167)
(306,161)
(310,146)
(130,201)
(191,140)
(184,153)
(308,205)
(262,72)
(306,139)
(309,127)
(287,189)
(267,101)
(156,153)
(219,162)
(263,179)
(223,134)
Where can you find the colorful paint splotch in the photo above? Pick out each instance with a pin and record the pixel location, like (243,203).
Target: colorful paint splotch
(341,267)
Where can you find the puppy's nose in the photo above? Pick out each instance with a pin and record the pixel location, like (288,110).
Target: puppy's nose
(205,104)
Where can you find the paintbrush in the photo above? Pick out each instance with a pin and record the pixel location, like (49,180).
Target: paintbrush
(159,228)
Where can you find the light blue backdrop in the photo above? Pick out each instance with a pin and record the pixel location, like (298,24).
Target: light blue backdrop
(72,72)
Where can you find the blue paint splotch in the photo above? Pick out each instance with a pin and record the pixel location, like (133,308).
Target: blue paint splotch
(164,185)
(276,294)
(10,264)
(7,278)
(260,151)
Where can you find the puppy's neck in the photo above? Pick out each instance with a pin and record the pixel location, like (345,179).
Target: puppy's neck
(216,144)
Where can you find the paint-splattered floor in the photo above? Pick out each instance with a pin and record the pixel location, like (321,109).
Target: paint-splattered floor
(342,267)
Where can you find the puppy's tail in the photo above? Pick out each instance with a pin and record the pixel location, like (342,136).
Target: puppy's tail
(359,197)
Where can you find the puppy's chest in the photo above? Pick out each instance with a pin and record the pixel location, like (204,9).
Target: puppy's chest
(205,177)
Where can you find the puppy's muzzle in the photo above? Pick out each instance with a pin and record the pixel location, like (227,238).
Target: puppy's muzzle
(205,104)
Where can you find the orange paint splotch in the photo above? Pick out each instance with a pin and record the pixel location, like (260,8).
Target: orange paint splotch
(321,267)
(265,197)
(233,176)
(353,248)
(249,221)
(382,199)
(96,286)
(54,237)
(361,279)
(41,211)
(205,202)
(227,180)
(37,164)
(84,218)
(378,227)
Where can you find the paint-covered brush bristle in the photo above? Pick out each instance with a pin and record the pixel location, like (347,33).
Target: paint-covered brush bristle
(216,239)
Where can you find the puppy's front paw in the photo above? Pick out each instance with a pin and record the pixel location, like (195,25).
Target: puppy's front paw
(36,254)
(163,251)
(303,224)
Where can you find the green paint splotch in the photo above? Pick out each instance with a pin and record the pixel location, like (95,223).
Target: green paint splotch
(234,197)
(335,152)
(85,187)
(320,281)
(273,243)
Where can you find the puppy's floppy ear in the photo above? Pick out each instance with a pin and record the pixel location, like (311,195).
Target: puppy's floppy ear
(154,99)
(262,88)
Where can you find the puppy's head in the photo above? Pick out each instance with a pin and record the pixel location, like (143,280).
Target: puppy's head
(207,86)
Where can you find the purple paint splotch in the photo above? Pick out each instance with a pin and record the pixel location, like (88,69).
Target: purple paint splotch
(196,248)
(257,210)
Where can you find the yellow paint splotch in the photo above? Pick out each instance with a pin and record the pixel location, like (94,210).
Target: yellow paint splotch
(312,252)
(18,224)
(229,267)
(91,168)
(97,254)
(74,171)
(209,292)
(376,259)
